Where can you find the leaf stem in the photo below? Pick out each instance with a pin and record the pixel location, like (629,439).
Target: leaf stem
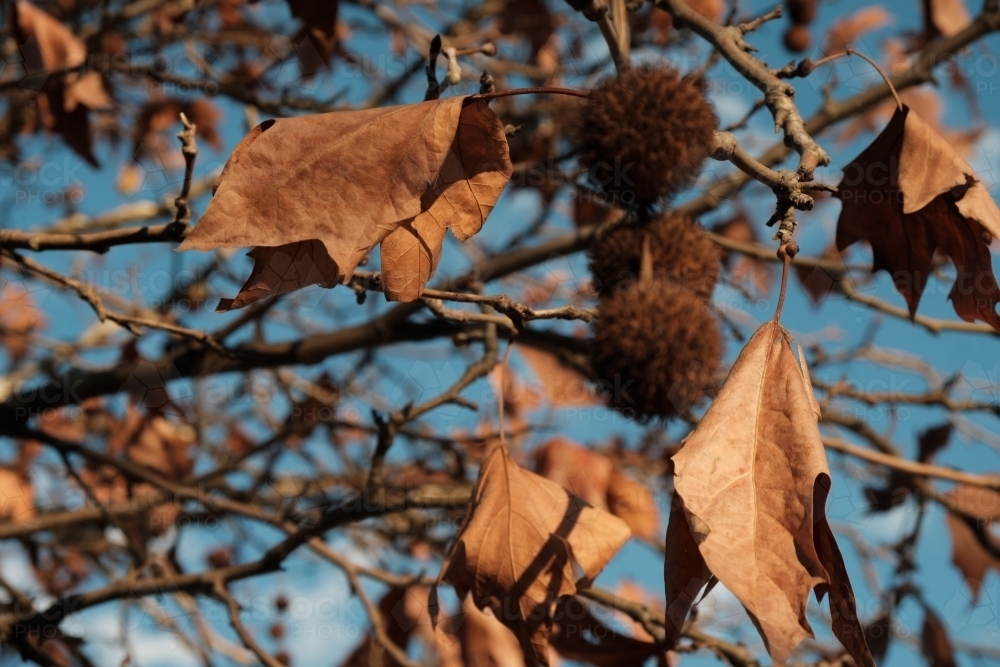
(530,91)
(786,262)
(849,51)
(503,388)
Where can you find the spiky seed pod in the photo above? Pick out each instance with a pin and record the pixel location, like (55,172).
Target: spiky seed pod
(655,350)
(645,134)
(798,38)
(681,252)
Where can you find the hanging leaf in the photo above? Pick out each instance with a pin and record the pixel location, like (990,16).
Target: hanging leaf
(518,552)
(968,554)
(63,102)
(316,193)
(909,194)
(752,482)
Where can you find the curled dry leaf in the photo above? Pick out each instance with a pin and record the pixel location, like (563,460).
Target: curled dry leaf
(968,555)
(518,551)
(315,194)
(909,194)
(751,483)
(845,31)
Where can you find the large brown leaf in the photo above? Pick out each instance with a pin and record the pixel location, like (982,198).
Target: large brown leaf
(518,552)
(968,553)
(909,194)
(752,482)
(325,189)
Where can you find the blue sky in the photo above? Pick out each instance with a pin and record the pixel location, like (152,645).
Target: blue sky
(837,323)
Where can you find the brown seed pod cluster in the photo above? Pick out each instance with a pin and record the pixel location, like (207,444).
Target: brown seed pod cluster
(656,345)
(645,134)
(681,252)
(656,349)
(802,13)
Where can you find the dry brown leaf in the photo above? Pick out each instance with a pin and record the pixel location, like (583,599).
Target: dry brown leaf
(162,114)
(405,617)
(20,318)
(325,189)
(593,478)
(529,19)
(945,17)
(968,555)
(518,552)
(684,571)
(752,480)
(46,45)
(634,503)
(317,40)
(877,635)
(935,643)
(754,274)
(17,496)
(562,385)
(580,471)
(932,201)
(580,636)
(818,282)
(156,443)
(843,33)
(485,641)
